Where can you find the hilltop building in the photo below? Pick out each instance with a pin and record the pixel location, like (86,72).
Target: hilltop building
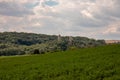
(112,41)
(70,40)
(59,38)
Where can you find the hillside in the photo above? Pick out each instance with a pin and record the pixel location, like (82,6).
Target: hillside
(14,43)
(98,63)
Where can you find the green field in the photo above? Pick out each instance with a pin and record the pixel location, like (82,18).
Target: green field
(99,63)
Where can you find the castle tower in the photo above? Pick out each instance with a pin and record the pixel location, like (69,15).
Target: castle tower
(59,38)
(70,40)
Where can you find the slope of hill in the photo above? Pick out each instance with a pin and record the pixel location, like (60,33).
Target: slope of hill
(98,63)
(14,43)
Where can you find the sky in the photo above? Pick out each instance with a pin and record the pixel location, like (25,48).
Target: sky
(99,19)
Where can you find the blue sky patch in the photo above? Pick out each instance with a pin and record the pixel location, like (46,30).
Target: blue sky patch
(31,5)
(51,3)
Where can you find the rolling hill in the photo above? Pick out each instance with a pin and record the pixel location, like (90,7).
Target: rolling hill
(96,63)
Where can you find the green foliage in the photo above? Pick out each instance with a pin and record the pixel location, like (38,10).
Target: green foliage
(11,51)
(13,43)
(25,38)
(98,63)
(63,45)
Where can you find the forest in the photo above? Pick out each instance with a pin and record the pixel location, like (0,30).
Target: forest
(20,43)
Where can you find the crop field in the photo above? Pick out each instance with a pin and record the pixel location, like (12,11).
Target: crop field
(98,63)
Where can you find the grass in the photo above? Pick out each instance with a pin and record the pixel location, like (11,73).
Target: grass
(99,63)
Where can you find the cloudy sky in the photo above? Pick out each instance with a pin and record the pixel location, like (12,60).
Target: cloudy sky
(99,19)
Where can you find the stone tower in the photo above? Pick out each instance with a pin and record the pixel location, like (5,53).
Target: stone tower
(59,38)
(70,40)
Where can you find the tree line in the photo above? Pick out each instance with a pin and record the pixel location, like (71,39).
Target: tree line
(14,43)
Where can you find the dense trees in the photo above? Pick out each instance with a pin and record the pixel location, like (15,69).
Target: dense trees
(13,43)
(11,51)
(25,38)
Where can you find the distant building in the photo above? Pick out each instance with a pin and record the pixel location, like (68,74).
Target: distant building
(112,41)
(59,38)
(70,40)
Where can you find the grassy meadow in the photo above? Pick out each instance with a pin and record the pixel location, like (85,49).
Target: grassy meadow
(98,63)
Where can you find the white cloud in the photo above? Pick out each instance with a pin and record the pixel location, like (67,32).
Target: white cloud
(112,28)
(92,18)
(13,9)
(37,24)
